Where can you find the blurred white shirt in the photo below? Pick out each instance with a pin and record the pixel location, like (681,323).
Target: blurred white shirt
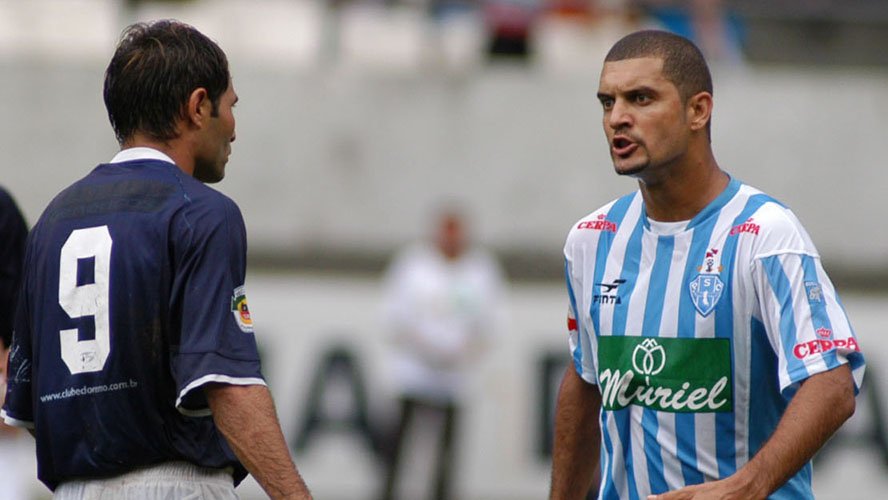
(441,315)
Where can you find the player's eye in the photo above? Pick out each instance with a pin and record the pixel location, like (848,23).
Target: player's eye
(607,103)
(642,98)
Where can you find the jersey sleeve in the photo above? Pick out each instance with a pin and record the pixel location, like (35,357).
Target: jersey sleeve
(12,250)
(581,352)
(18,406)
(217,343)
(806,323)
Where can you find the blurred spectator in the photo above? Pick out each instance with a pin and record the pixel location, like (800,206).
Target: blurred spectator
(708,23)
(442,305)
(13,232)
(509,26)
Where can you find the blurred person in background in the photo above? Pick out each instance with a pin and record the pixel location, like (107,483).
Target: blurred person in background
(443,300)
(711,25)
(133,360)
(13,233)
(711,355)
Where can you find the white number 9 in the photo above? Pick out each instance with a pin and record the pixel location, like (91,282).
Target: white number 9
(91,299)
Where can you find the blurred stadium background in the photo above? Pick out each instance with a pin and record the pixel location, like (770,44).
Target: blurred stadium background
(358,117)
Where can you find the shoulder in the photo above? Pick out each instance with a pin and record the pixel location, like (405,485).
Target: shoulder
(605,220)
(204,205)
(10,215)
(775,227)
(6,200)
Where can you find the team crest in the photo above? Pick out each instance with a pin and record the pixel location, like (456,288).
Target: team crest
(707,287)
(240,310)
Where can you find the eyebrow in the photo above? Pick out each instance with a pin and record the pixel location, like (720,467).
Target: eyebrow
(631,91)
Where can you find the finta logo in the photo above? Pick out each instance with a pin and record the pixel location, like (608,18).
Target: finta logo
(600,224)
(746,227)
(606,288)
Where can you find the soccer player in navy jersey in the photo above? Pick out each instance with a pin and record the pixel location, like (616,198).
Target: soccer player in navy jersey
(133,360)
(13,232)
(711,355)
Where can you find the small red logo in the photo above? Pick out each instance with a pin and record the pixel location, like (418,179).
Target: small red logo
(746,227)
(602,224)
(824,332)
(802,351)
(571,324)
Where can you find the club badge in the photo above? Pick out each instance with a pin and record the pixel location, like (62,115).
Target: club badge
(706,288)
(240,310)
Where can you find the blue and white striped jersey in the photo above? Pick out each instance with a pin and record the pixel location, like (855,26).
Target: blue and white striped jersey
(698,334)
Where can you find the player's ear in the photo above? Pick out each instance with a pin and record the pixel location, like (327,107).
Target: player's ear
(198,108)
(699,110)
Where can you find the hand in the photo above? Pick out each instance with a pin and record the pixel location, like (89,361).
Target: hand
(725,489)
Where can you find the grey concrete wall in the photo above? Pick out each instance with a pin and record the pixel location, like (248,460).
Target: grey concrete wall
(340,161)
(352,162)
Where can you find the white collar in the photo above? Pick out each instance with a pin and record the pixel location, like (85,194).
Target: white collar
(140,153)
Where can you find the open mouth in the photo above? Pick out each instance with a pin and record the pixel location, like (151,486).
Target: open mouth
(621,146)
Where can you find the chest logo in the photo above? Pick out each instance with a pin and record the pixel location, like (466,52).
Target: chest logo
(706,289)
(608,293)
(665,374)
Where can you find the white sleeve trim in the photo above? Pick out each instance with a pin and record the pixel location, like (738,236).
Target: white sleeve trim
(785,251)
(207,379)
(14,421)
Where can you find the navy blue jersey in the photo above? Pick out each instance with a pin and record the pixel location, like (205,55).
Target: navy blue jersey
(132,299)
(13,232)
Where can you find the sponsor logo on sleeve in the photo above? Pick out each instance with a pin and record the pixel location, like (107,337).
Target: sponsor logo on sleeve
(665,374)
(240,310)
(599,224)
(814,292)
(823,346)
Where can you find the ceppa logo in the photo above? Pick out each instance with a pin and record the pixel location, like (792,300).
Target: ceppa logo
(821,346)
(747,227)
(600,224)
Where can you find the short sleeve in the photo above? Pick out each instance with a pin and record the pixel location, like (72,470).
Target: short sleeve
(803,316)
(217,343)
(18,407)
(12,250)
(578,338)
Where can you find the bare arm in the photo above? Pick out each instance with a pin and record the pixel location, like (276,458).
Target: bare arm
(575,453)
(818,409)
(246,417)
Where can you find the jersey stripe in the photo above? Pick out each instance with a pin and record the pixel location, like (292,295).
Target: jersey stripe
(652,317)
(818,309)
(578,351)
(783,295)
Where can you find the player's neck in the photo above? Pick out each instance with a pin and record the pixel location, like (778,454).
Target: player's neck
(174,148)
(686,192)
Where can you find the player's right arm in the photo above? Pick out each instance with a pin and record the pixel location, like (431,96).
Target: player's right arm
(575,454)
(246,417)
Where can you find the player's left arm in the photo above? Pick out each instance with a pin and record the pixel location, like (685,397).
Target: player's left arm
(246,417)
(823,402)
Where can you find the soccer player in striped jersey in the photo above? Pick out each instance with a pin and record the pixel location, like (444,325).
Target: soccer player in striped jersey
(133,359)
(711,355)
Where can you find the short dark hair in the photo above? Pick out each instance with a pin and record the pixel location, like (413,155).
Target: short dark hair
(683,63)
(152,74)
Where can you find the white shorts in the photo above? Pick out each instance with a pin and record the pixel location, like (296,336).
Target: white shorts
(168,481)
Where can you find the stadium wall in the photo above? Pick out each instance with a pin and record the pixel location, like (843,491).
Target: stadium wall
(333,168)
